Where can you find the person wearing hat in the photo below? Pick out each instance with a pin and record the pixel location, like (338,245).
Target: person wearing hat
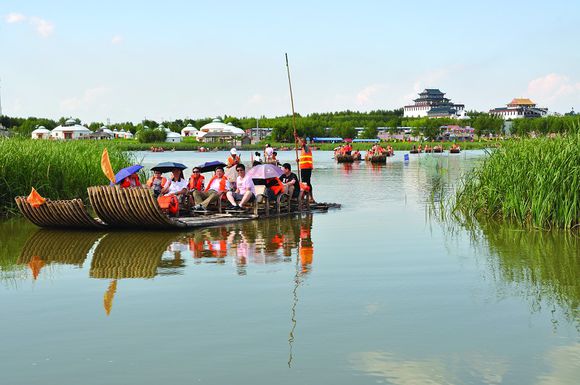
(233,159)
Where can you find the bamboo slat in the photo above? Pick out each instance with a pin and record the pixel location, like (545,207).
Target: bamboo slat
(63,213)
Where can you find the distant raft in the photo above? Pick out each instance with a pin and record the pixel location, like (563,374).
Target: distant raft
(137,208)
(381,158)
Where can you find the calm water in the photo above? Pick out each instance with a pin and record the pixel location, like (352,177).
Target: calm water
(377,292)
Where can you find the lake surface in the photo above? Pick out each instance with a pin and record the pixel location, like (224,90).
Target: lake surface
(380,291)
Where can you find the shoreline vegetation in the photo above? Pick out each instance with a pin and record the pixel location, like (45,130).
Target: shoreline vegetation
(57,169)
(532,182)
(131,145)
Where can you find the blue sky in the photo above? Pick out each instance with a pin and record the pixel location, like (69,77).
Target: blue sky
(130,60)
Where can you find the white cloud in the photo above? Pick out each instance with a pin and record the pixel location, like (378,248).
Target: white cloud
(43,27)
(14,18)
(368,94)
(90,99)
(554,88)
(117,39)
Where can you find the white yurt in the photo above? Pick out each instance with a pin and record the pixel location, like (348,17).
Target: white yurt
(40,133)
(218,130)
(106,130)
(189,130)
(173,137)
(70,130)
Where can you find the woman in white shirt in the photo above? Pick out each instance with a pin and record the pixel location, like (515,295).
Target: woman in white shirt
(177,185)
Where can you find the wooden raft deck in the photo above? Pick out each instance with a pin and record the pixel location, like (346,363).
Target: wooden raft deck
(132,208)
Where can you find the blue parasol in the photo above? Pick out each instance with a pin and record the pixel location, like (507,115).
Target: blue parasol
(211,166)
(125,172)
(168,166)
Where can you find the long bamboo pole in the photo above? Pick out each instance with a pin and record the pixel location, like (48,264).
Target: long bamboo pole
(293,119)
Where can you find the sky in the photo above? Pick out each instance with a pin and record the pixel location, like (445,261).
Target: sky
(131,60)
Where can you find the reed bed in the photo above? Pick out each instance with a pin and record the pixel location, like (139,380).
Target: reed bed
(534,182)
(57,169)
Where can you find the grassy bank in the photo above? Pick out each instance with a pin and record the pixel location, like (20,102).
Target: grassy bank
(534,182)
(58,170)
(131,145)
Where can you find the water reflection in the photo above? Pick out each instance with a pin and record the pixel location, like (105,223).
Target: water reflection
(46,247)
(145,255)
(541,266)
(545,264)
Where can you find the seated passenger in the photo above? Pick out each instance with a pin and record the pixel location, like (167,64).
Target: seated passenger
(233,159)
(177,185)
(196,183)
(257,159)
(245,190)
(274,187)
(274,158)
(217,185)
(156,183)
(290,181)
(131,181)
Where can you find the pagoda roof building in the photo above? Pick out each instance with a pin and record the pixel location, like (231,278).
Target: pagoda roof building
(433,103)
(519,108)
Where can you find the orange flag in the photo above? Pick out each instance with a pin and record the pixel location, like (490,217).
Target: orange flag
(35,265)
(35,199)
(106,166)
(109,296)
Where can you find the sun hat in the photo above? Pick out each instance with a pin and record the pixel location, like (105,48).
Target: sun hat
(233,151)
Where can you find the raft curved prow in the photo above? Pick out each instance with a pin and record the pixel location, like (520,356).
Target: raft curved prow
(62,213)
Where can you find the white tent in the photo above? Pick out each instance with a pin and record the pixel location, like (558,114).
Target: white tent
(173,137)
(41,133)
(189,131)
(218,129)
(70,130)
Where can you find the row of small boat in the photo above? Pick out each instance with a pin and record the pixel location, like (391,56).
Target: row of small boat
(345,158)
(435,151)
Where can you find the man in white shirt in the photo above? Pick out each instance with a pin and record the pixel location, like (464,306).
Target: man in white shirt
(245,190)
(177,185)
(217,185)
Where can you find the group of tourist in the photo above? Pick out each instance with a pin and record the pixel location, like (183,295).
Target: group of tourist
(377,150)
(198,196)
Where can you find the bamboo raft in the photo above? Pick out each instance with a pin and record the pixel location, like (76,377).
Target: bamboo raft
(377,158)
(345,158)
(137,208)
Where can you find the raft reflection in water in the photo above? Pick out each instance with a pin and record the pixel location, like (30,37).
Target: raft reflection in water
(145,255)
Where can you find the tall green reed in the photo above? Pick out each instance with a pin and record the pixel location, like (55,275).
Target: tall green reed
(535,182)
(57,169)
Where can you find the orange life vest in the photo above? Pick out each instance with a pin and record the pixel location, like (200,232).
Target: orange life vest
(131,181)
(169,203)
(195,183)
(305,161)
(276,185)
(222,183)
(233,160)
(304,187)
(152,179)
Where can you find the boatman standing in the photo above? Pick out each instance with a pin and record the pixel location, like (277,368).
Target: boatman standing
(306,164)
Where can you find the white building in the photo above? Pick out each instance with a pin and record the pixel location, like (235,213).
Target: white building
(70,130)
(189,130)
(519,108)
(41,133)
(216,130)
(173,137)
(433,103)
